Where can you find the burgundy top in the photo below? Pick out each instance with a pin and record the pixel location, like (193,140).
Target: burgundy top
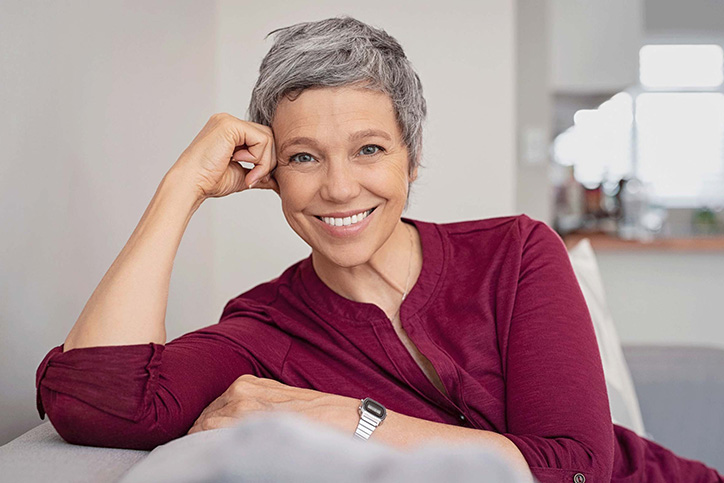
(497,310)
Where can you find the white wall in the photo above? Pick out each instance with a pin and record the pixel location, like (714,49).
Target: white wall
(100,98)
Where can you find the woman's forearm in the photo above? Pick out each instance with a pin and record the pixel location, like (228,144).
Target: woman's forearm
(129,304)
(407,432)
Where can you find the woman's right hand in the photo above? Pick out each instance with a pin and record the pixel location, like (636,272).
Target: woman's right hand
(211,161)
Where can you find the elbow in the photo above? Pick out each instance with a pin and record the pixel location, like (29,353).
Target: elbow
(93,400)
(82,424)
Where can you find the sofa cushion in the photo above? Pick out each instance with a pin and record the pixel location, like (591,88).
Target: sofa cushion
(625,410)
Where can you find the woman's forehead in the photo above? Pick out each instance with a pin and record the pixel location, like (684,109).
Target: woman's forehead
(347,112)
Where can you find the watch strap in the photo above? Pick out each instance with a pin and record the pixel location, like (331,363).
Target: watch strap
(368,422)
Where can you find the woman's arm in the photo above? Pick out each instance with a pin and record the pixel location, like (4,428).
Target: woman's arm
(141,395)
(114,382)
(557,410)
(406,432)
(129,304)
(249,395)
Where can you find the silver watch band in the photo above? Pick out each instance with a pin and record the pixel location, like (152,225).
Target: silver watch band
(368,422)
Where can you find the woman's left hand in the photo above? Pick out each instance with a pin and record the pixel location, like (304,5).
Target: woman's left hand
(250,394)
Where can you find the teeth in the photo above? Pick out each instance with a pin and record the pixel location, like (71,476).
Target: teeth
(350,220)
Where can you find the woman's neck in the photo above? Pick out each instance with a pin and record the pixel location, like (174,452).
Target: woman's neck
(381,280)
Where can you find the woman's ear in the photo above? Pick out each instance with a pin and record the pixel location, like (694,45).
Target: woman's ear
(413,177)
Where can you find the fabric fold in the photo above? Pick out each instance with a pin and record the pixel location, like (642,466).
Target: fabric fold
(87,374)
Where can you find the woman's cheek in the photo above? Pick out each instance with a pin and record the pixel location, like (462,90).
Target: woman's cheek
(392,180)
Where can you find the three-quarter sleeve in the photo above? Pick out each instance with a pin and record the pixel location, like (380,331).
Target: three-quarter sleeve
(143,395)
(556,402)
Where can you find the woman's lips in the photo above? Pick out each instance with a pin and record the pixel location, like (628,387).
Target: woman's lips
(348,230)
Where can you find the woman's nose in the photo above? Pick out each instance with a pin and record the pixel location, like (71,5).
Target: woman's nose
(340,184)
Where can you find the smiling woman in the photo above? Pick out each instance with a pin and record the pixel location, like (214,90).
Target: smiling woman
(346,158)
(474,331)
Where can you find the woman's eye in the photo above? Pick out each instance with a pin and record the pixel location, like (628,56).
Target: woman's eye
(370,149)
(301,158)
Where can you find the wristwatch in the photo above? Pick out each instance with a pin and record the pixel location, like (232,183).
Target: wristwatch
(371,415)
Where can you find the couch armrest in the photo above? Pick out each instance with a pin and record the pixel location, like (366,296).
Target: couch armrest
(42,455)
(681,393)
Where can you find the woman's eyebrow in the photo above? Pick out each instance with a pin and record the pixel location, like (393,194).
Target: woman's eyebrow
(297,140)
(369,133)
(355,136)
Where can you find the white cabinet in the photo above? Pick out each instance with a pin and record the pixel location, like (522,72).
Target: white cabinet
(594,44)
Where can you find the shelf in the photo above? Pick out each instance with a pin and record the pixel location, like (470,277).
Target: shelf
(608,243)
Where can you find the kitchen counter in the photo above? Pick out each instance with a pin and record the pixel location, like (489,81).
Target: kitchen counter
(604,242)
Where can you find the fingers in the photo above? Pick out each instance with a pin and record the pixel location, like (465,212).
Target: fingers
(250,394)
(254,143)
(265,160)
(214,422)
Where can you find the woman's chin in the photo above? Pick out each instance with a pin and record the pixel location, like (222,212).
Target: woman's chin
(344,257)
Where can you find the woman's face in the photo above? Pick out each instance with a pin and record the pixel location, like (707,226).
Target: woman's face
(340,152)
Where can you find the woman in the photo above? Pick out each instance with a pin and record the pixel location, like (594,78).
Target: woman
(469,331)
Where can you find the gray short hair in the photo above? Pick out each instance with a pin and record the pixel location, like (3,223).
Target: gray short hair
(337,52)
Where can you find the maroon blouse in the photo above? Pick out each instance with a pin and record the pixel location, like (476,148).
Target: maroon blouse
(496,309)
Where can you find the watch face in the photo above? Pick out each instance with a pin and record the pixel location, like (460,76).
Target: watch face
(375,408)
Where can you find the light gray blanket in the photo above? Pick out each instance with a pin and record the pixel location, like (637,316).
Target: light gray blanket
(284,447)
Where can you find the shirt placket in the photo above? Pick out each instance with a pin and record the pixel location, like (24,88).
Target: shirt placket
(413,374)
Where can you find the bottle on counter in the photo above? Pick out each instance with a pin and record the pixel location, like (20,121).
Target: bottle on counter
(634,204)
(569,199)
(640,219)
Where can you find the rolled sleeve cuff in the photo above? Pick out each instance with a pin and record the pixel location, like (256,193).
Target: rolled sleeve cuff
(559,460)
(119,380)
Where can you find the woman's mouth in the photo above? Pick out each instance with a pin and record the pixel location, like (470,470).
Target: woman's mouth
(349,220)
(347,226)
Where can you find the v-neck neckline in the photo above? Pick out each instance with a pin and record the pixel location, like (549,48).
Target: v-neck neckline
(361,313)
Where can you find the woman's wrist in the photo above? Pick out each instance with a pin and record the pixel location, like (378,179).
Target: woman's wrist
(183,185)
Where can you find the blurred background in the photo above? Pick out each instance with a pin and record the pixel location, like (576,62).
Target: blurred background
(603,118)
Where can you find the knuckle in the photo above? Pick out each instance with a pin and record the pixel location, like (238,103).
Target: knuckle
(217,116)
(211,423)
(240,405)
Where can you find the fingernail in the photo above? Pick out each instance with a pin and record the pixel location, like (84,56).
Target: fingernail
(251,185)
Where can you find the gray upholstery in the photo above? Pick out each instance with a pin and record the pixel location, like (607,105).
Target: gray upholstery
(42,455)
(289,448)
(680,391)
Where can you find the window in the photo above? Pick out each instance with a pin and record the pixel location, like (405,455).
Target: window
(668,131)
